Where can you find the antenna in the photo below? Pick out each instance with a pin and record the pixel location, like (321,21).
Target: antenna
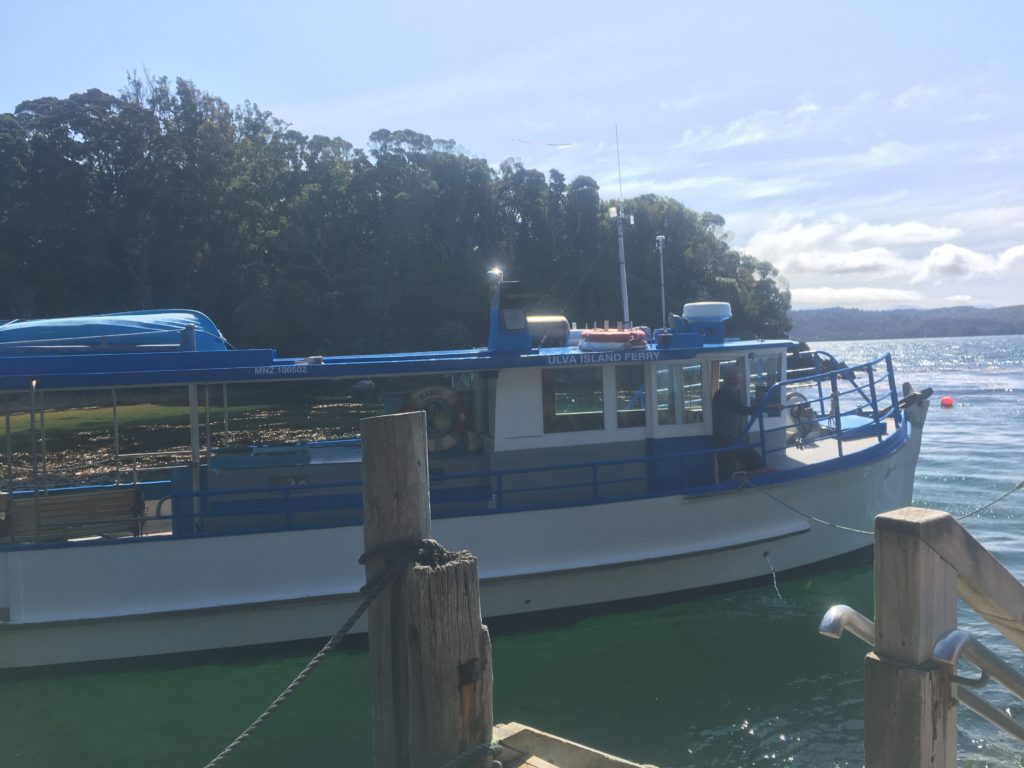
(660,240)
(618,214)
(618,160)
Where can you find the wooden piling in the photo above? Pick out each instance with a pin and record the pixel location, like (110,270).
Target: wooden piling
(909,710)
(430,655)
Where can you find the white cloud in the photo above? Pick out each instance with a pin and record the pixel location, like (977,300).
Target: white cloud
(864,296)
(760,189)
(998,153)
(915,96)
(869,260)
(883,264)
(1002,218)
(1008,258)
(895,234)
(889,154)
(949,261)
(785,236)
(763,126)
(806,251)
(730,187)
(679,105)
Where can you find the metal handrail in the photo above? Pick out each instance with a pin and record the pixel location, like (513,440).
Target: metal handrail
(602,487)
(948,651)
(833,377)
(959,642)
(502,497)
(600,484)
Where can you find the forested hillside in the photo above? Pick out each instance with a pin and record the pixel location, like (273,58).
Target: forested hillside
(165,196)
(838,323)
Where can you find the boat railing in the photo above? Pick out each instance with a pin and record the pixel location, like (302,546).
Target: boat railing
(835,377)
(453,494)
(71,475)
(97,470)
(301,503)
(925,561)
(286,492)
(326,504)
(155,454)
(866,407)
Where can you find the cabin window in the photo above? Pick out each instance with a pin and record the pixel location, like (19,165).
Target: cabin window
(692,392)
(665,385)
(630,396)
(573,399)
(765,372)
(720,368)
(680,394)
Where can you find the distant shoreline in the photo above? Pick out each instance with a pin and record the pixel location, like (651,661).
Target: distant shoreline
(843,324)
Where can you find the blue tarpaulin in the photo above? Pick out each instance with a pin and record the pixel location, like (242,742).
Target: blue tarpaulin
(142,331)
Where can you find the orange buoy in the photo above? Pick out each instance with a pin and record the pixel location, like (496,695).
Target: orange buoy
(946,401)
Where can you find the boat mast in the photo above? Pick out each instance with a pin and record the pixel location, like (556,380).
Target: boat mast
(660,239)
(618,215)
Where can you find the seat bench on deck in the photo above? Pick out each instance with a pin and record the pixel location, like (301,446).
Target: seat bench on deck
(63,515)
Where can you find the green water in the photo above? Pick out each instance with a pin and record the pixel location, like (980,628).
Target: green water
(676,685)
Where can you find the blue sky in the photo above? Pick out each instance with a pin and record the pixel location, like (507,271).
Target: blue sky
(873,151)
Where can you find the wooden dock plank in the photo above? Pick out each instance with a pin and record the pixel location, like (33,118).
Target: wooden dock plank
(526,746)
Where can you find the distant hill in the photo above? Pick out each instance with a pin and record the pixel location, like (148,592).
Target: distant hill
(839,324)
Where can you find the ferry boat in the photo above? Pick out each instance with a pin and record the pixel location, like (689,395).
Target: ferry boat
(580,467)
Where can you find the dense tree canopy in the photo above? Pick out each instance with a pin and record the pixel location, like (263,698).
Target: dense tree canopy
(165,196)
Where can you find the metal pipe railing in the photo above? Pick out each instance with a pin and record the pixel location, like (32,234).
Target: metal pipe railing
(833,376)
(948,651)
(598,480)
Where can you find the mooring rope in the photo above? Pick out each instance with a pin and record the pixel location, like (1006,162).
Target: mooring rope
(474,754)
(747,484)
(1015,488)
(407,551)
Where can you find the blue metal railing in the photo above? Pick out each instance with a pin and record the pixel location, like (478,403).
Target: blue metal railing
(841,399)
(866,404)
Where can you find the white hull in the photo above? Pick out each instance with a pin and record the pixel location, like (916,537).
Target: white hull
(158,596)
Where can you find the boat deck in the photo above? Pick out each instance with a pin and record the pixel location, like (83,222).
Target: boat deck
(817,451)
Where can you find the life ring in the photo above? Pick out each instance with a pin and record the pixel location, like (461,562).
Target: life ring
(609,339)
(447,420)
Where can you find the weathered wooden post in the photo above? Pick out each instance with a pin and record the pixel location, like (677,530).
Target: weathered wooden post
(909,709)
(430,655)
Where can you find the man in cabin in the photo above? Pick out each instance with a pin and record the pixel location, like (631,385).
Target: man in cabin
(729,418)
